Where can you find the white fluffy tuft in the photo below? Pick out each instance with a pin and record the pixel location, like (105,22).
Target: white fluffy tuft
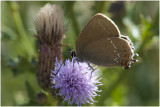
(50,21)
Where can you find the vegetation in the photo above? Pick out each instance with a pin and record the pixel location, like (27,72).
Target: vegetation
(138,86)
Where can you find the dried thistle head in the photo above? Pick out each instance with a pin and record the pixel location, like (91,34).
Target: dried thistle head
(49,26)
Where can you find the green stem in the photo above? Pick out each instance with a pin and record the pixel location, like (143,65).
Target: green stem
(100,6)
(70,8)
(17,18)
(75,23)
(20,28)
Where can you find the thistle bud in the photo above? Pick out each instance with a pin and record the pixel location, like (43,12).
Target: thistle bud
(49,27)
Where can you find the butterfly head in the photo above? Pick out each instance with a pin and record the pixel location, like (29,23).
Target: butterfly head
(72,54)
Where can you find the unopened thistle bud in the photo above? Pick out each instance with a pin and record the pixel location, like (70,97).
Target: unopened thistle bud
(49,27)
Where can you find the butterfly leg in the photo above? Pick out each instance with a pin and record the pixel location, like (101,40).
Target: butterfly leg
(59,68)
(74,60)
(90,66)
(73,63)
(91,69)
(60,65)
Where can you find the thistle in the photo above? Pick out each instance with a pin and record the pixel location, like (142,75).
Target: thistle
(49,27)
(76,84)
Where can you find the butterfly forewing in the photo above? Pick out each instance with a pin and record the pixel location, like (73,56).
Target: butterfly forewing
(98,27)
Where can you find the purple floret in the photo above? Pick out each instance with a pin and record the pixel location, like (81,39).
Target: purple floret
(77,85)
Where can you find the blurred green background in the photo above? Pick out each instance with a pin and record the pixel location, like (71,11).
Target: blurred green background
(138,86)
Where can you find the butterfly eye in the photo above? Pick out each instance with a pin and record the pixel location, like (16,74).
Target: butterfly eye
(72,54)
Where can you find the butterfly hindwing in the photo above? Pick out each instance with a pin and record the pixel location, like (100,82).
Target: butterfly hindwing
(109,51)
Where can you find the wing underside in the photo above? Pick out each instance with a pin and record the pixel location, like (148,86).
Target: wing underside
(98,27)
(110,51)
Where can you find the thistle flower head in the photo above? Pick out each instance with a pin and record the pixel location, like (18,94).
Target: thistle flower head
(49,24)
(49,33)
(76,83)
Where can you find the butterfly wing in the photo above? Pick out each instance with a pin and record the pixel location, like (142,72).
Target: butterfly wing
(98,27)
(108,52)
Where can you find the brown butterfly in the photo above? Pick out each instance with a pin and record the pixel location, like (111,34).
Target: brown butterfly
(101,43)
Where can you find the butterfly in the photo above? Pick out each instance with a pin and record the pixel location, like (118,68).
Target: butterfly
(101,43)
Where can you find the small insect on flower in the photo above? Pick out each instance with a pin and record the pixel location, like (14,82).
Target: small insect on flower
(76,82)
